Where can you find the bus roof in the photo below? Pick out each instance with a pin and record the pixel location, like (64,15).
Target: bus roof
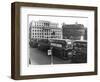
(80,41)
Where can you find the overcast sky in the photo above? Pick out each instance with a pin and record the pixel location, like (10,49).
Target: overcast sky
(61,19)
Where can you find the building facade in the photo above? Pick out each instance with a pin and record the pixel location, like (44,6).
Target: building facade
(73,31)
(85,35)
(44,30)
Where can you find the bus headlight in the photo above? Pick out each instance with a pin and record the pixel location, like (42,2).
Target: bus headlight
(68,42)
(69,54)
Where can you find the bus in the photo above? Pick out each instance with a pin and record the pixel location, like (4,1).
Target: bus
(44,44)
(33,43)
(79,51)
(62,48)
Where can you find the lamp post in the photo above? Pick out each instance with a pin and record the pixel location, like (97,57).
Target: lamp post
(53,35)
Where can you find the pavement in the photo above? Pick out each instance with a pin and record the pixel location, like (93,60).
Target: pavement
(38,57)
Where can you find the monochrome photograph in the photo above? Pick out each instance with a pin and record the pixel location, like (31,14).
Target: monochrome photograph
(57,39)
(53,40)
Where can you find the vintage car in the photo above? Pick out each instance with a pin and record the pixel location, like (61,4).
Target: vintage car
(79,52)
(62,48)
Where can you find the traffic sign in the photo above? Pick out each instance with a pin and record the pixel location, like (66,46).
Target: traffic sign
(49,52)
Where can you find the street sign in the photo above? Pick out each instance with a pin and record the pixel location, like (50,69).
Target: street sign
(49,52)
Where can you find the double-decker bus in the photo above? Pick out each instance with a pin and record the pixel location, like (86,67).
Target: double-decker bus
(74,50)
(44,44)
(62,48)
(79,51)
(33,43)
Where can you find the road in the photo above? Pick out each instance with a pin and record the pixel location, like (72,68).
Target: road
(38,57)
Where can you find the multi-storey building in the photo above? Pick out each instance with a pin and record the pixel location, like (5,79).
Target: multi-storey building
(85,35)
(44,30)
(73,31)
